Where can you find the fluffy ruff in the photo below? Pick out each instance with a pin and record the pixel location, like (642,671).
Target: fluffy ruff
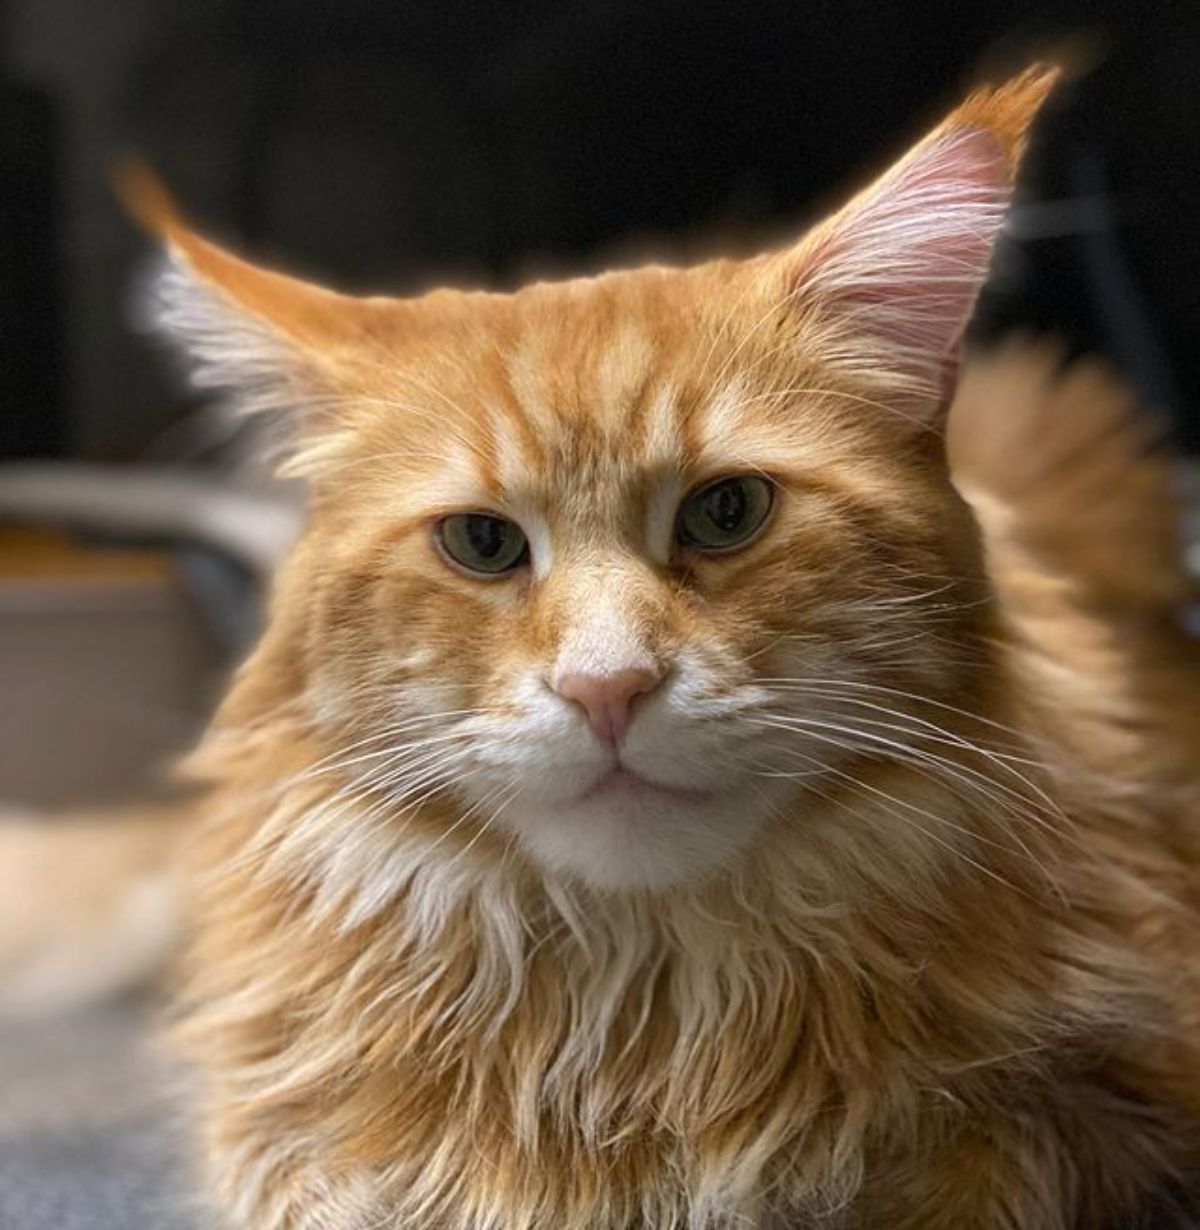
(822,1038)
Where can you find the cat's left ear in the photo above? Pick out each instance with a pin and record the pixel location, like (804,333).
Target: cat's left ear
(889,282)
(277,344)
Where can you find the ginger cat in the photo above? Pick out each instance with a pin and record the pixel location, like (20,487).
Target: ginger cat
(659,799)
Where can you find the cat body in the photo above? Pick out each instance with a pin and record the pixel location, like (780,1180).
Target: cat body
(840,872)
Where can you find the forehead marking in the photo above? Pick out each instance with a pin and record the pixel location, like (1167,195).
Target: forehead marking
(721,418)
(729,433)
(513,458)
(622,373)
(663,458)
(528,387)
(537,532)
(662,445)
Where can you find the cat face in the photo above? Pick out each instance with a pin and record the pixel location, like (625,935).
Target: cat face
(621,571)
(607,567)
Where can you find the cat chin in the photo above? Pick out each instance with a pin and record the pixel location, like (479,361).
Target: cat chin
(626,837)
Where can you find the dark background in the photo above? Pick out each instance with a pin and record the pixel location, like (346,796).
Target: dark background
(393,144)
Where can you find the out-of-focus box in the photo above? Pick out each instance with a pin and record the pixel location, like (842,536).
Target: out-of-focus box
(106,671)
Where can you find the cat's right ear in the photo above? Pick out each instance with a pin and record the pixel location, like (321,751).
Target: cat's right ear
(275,343)
(889,281)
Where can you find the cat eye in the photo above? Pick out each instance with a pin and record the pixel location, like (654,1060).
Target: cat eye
(726,514)
(482,543)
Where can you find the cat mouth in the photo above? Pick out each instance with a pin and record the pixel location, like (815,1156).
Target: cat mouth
(622,783)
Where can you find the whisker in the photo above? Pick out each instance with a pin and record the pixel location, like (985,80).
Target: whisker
(998,792)
(1003,760)
(891,802)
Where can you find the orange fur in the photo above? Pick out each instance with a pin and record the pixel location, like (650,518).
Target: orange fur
(923,954)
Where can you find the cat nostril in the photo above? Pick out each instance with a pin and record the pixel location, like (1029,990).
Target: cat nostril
(608,699)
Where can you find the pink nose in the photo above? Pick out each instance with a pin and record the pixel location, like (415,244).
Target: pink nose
(607,699)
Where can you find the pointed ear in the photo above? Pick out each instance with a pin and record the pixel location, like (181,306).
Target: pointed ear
(895,274)
(277,343)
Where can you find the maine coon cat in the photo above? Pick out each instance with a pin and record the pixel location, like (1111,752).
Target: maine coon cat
(654,801)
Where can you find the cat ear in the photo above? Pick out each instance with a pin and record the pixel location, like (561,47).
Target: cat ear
(280,345)
(894,275)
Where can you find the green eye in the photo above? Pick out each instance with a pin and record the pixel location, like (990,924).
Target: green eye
(482,543)
(725,514)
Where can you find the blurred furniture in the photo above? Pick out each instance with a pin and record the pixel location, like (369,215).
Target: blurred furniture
(125,595)
(108,669)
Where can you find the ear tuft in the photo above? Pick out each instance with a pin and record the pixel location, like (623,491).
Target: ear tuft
(309,316)
(145,198)
(1007,111)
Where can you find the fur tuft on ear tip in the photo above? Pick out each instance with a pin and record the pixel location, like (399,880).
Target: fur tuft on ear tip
(144,197)
(300,312)
(151,205)
(1007,111)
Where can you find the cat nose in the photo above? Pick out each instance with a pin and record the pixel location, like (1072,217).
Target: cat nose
(608,699)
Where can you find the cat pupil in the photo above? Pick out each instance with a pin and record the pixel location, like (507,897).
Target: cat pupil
(487,536)
(725,506)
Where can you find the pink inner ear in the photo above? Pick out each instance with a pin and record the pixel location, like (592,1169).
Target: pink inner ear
(905,260)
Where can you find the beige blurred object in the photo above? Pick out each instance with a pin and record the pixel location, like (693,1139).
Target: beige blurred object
(106,672)
(113,918)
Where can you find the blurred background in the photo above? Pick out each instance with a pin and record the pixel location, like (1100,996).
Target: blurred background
(400,145)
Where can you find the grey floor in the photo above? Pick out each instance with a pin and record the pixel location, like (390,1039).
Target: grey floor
(91,1126)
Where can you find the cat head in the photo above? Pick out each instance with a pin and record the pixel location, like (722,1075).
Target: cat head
(626,569)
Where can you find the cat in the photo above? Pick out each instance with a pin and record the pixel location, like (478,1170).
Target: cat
(662,797)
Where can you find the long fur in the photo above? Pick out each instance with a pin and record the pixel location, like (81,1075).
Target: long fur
(908,936)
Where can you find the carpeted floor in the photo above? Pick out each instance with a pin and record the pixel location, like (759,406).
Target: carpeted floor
(90,1127)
